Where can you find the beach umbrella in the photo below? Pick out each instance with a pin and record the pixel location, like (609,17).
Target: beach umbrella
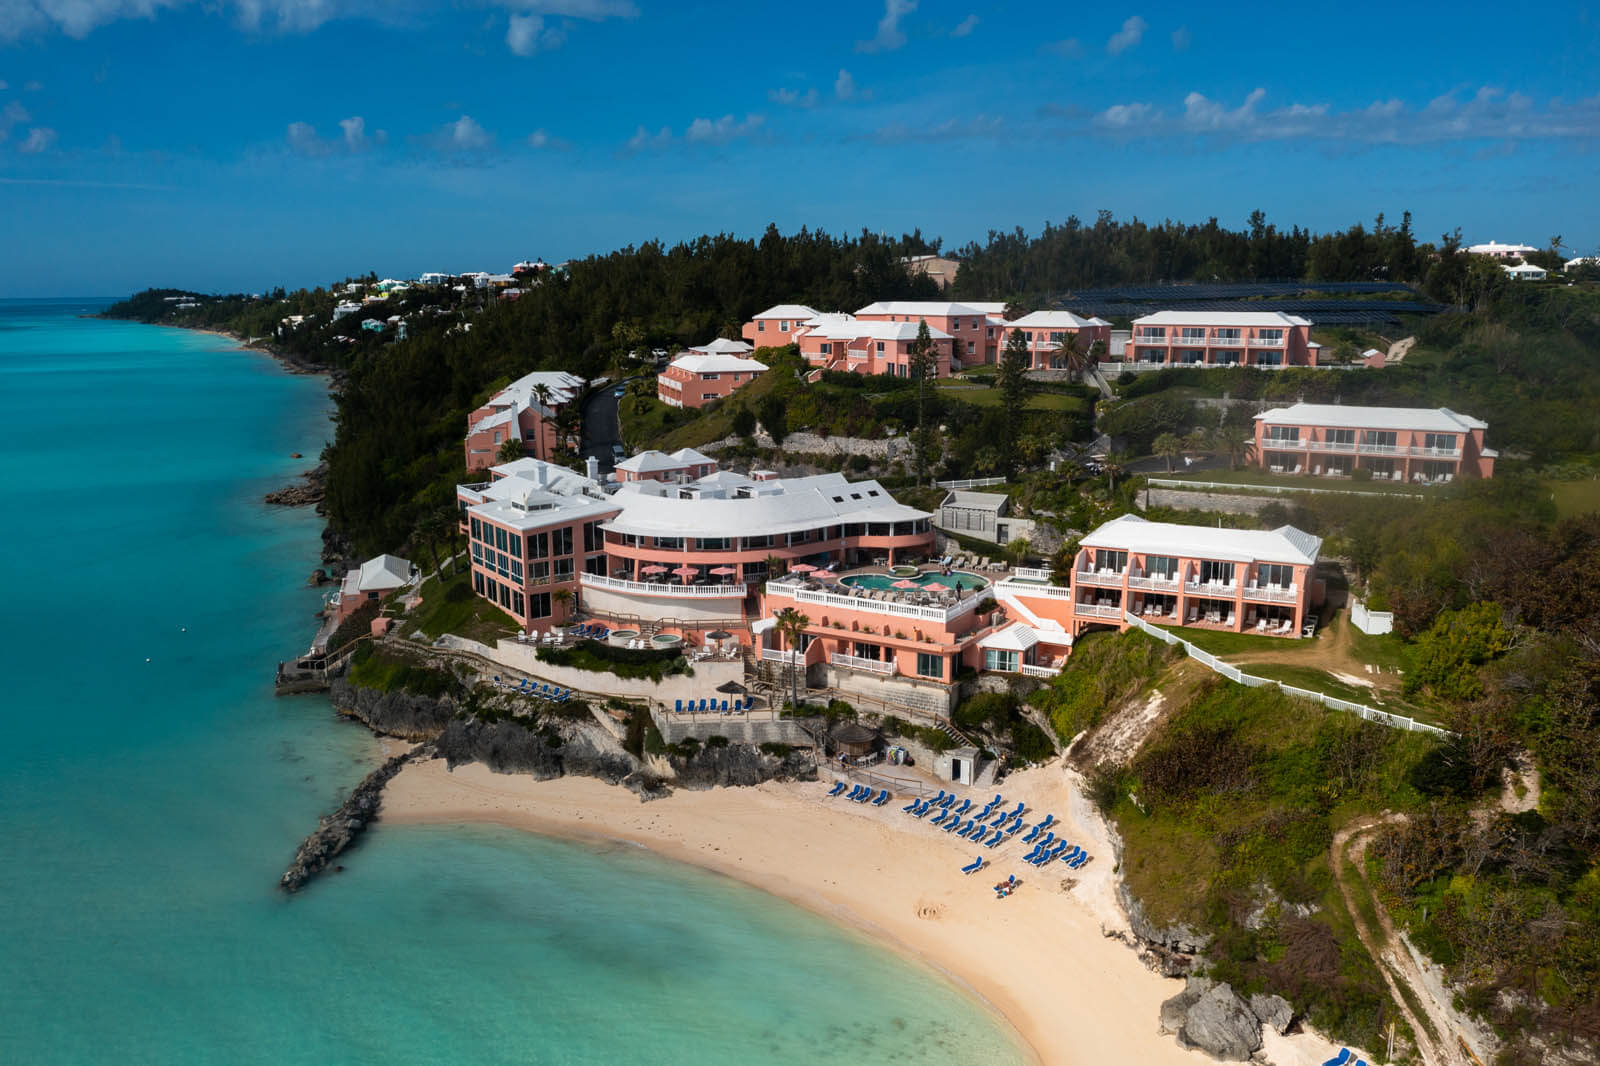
(732,688)
(801,568)
(723,571)
(905,585)
(718,634)
(653,568)
(686,571)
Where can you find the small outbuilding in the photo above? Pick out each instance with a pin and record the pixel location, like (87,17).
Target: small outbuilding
(855,740)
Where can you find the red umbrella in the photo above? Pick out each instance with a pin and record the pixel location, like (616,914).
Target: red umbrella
(801,568)
(686,571)
(723,571)
(827,575)
(905,585)
(653,569)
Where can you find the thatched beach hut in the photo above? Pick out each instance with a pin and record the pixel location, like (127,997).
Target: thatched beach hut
(855,740)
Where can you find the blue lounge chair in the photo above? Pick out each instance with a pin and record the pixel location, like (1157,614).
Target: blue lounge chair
(972,831)
(952,825)
(974,866)
(1015,827)
(923,811)
(866,795)
(966,805)
(677,707)
(939,819)
(1079,859)
(994,841)
(838,787)
(1339,1059)
(940,797)
(908,808)
(724,706)
(998,800)
(883,797)
(855,790)
(948,801)
(738,706)
(1033,834)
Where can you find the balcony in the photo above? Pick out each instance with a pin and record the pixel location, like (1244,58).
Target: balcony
(1105,578)
(1031,670)
(1265,342)
(1091,610)
(1435,453)
(857,662)
(1154,582)
(1272,593)
(1155,342)
(1197,341)
(778,655)
(942,614)
(1216,589)
(653,588)
(1331,446)
(1284,444)
(1379,449)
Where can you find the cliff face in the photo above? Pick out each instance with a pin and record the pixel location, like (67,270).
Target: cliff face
(741,764)
(392,714)
(512,748)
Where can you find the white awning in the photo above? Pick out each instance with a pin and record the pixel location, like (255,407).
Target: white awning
(1015,637)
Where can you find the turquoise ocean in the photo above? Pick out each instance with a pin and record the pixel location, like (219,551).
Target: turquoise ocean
(152,790)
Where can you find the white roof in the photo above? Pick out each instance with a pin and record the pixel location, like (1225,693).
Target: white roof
(1583,260)
(800,311)
(1221,318)
(774,507)
(648,462)
(723,346)
(562,385)
(535,494)
(1524,268)
(976,501)
(689,455)
(1014,637)
(1055,320)
(1285,544)
(383,572)
(702,363)
(930,307)
(856,329)
(1496,248)
(1340,416)
(508,415)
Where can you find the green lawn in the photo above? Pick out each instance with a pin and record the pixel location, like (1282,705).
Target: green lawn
(1226,643)
(1315,680)
(1038,401)
(452,607)
(1575,497)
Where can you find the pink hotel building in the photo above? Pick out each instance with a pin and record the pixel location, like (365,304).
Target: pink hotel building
(1223,338)
(697,378)
(1047,331)
(1409,444)
(525,411)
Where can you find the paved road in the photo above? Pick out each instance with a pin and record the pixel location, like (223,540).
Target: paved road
(601,427)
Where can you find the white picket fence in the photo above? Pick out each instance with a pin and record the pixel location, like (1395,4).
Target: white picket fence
(971,483)
(1233,673)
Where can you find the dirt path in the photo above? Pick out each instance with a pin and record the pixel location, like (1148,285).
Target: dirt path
(1333,652)
(1434,1029)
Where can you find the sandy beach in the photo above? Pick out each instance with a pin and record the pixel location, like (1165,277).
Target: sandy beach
(1039,957)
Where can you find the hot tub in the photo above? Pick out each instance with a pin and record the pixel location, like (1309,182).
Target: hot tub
(666,640)
(621,637)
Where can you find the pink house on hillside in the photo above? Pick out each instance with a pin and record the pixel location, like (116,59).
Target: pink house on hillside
(1413,444)
(1242,580)
(696,378)
(371,581)
(972,326)
(685,464)
(841,342)
(777,325)
(1223,338)
(523,411)
(1046,332)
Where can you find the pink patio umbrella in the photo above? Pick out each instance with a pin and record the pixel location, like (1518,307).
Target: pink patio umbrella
(905,585)
(826,575)
(724,571)
(653,568)
(686,572)
(801,568)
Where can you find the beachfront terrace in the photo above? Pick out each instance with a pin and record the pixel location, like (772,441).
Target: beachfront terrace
(923,607)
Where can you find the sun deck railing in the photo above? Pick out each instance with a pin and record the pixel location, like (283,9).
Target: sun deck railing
(603,581)
(857,662)
(943,614)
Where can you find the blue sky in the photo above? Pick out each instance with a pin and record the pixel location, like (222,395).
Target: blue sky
(235,144)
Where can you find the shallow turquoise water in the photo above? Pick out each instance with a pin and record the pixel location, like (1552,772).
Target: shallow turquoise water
(148,808)
(926,579)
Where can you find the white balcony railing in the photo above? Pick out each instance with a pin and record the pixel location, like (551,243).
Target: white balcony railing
(1331,446)
(1160,342)
(777,655)
(1169,584)
(1030,573)
(942,614)
(857,662)
(1111,579)
(1272,593)
(1032,670)
(1435,453)
(1191,338)
(1266,342)
(1378,449)
(1211,588)
(1091,610)
(1023,589)
(650,588)
(1284,444)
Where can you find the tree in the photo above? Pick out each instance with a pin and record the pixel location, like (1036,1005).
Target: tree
(1169,446)
(1114,465)
(563,598)
(449,519)
(774,417)
(1013,383)
(1073,355)
(510,451)
(921,362)
(744,422)
(1446,657)
(429,530)
(1234,440)
(541,392)
(792,626)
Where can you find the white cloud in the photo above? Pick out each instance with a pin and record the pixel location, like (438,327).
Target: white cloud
(1182,39)
(1204,115)
(14,114)
(538,139)
(889,36)
(462,135)
(1124,116)
(1131,34)
(965,27)
(593,10)
(722,130)
(39,139)
(522,34)
(844,86)
(355,133)
(643,139)
(793,97)
(303,140)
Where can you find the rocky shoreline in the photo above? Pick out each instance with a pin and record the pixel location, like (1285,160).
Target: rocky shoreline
(340,830)
(312,489)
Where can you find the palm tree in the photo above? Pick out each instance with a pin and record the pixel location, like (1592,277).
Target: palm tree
(1113,464)
(1169,447)
(449,519)
(1073,355)
(1238,441)
(792,625)
(541,392)
(921,361)
(429,529)
(510,451)
(564,598)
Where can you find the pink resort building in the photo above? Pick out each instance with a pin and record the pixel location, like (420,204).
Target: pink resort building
(371,581)
(685,464)
(1222,338)
(524,411)
(1243,580)
(1412,444)
(846,343)
(1496,250)
(699,376)
(778,325)
(972,326)
(1047,331)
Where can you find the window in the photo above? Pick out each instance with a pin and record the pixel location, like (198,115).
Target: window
(1269,359)
(996,659)
(563,570)
(869,651)
(1192,356)
(1212,573)
(505,596)
(477,553)
(538,545)
(1284,434)
(538,573)
(500,538)
(516,545)
(972,346)
(709,377)
(1444,442)
(1345,437)
(1162,566)
(561,541)
(477,534)
(516,602)
(593,538)
(1378,440)
(1192,335)
(751,543)
(827,348)
(539,605)
(501,564)
(1153,334)
(1227,336)
(1270,336)
(477,582)
(1114,561)
(1229,358)
(708,396)
(930,665)
(671,544)
(1278,575)
(516,570)
(712,544)
(880,347)
(497,436)
(761,326)
(1152,355)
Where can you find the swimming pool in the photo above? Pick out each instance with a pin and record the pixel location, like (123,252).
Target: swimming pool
(929,579)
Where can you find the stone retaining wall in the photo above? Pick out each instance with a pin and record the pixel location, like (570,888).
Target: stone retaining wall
(1207,501)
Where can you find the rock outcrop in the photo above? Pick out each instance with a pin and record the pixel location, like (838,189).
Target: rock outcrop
(1272,1010)
(337,831)
(312,490)
(741,764)
(1212,1018)
(392,714)
(511,747)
